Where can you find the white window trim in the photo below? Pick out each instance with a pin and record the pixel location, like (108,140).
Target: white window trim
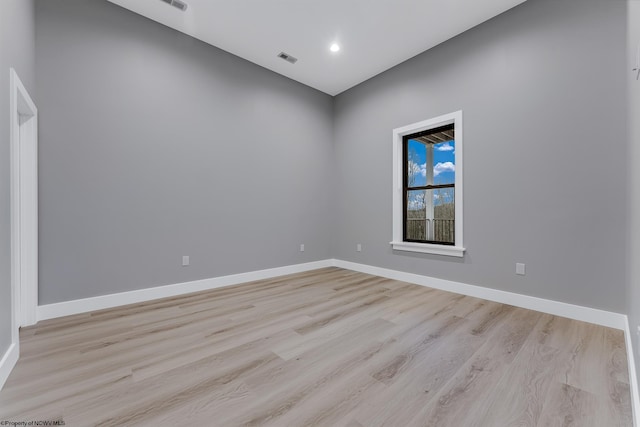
(457,250)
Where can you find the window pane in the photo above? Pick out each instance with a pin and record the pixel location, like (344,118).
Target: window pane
(416,163)
(430,215)
(444,215)
(444,163)
(416,228)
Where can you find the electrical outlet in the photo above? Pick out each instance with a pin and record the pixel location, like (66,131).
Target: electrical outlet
(520,269)
(302,247)
(185,260)
(359,247)
(638,330)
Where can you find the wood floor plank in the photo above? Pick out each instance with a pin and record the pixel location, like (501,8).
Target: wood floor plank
(410,389)
(466,397)
(569,406)
(530,374)
(328,347)
(300,379)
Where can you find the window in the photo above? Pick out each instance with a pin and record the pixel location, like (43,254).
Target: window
(427,200)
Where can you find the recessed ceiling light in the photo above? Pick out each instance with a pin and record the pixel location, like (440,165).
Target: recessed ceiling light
(334,47)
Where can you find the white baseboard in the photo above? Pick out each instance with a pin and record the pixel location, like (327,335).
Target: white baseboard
(8,362)
(585,314)
(577,312)
(67,308)
(633,378)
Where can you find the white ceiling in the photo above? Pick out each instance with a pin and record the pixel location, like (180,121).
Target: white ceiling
(374,35)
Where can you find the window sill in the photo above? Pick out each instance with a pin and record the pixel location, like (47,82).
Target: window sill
(427,248)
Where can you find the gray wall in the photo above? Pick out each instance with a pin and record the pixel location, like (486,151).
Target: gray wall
(17,51)
(542,88)
(633,291)
(154,145)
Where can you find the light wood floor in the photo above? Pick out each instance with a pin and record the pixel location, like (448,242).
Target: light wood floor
(330,348)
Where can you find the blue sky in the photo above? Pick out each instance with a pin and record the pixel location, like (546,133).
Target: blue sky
(443,162)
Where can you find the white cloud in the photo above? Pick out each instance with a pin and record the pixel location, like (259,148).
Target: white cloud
(444,147)
(443,167)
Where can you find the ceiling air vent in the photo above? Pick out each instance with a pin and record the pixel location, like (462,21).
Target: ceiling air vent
(287,57)
(177,4)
